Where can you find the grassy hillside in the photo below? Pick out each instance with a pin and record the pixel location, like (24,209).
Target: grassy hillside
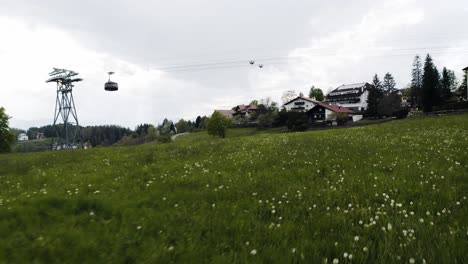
(386,193)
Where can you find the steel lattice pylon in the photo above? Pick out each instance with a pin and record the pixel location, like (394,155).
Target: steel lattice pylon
(68,134)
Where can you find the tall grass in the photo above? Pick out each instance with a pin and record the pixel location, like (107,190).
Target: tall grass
(386,193)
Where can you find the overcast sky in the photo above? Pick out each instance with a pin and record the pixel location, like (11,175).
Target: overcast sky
(301,43)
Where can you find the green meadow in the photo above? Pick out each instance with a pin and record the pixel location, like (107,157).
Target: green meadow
(387,193)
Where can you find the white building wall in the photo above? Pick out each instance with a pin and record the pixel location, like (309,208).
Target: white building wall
(361,105)
(357,118)
(307,105)
(23,137)
(328,114)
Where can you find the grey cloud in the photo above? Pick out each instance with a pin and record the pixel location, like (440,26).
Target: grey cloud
(155,34)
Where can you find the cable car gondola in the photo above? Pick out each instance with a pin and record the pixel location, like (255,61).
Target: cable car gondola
(111,86)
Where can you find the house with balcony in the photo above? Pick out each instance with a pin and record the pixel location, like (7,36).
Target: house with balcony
(300,104)
(239,111)
(351,96)
(244,110)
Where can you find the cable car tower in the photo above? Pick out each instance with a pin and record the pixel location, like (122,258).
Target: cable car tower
(68,135)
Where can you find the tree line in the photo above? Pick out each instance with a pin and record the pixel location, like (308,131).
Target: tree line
(428,91)
(431,90)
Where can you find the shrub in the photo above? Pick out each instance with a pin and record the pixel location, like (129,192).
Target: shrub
(401,113)
(340,118)
(297,121)
(266,120)
(164,138)
(452,106)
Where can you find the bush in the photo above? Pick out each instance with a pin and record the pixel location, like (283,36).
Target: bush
(266,120)
(297,121)
(281,119)
(452,106)
(340,118)
(402,113)
(164,138)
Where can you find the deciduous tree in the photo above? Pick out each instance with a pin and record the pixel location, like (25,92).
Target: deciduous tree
(6,137)
(218,124)
(182,126)
(316,93)
(288,96)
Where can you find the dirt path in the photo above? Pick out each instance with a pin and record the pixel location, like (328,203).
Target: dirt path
(173,138)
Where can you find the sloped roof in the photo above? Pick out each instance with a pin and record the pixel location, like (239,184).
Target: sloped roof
(466,69)
(355,89)
(335,108)
(351,86)
(226,113)
(243,107)
(303,98)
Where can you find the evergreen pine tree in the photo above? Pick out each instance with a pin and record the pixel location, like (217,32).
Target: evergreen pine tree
(462,90)
(388,83)
(430,85)
(374,98)
(446,83)
(198,121)
(416,82)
